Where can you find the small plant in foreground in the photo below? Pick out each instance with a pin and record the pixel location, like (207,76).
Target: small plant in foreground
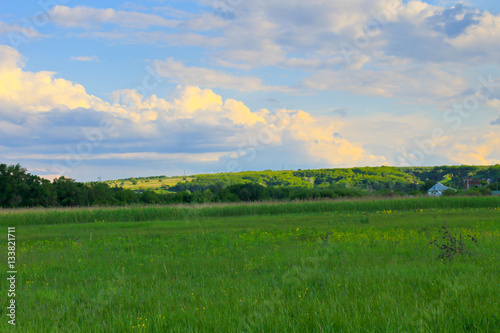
(451,245)
(364,219)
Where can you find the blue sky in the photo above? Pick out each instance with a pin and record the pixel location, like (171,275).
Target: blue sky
(139,88)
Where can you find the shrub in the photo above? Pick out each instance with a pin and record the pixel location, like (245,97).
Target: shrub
(364,219)
(450,192)
(451,245)
(479,191)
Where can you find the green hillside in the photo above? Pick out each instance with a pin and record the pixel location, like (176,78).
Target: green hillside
(373,179)
(18,188)
(159,184)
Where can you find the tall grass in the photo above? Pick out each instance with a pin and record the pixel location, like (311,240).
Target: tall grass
(155,213)
(292,273)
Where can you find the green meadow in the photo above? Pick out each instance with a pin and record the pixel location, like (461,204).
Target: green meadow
(153,183)
(401,265)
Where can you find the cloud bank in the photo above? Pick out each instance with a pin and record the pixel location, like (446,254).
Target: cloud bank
(50,121)
(399,67)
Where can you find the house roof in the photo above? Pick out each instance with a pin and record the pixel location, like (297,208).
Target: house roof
(438,188)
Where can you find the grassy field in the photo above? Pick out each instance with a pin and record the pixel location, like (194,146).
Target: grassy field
(287,267)
(161,213)
(153,183)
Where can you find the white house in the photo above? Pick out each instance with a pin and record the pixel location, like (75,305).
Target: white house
(437,190)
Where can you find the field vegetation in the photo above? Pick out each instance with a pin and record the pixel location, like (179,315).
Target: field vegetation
(41,216)
(400,265)
(159,184)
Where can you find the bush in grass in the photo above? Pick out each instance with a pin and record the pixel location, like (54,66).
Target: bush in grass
(311,194)
(364,219)
(450,193)
(451,245)
(479,191)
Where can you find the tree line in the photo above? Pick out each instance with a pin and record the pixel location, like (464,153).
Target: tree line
(18,188)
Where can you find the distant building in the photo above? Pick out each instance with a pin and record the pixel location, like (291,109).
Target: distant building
(437,190)
(470,183)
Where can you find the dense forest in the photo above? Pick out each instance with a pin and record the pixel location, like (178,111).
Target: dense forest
(18,188)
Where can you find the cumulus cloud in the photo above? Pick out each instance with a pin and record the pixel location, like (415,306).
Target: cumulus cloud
(318,136)
(61,122)
(455,20)
(439,145)
(474,149)
(406,50)
(262,33)
(29,93)
(384,47)
(481,38)
(46,120)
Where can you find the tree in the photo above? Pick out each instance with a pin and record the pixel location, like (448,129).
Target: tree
(70,193)
(18,188)
(150,197)
(428,184)
(41,193)
(126,196)
(101,194)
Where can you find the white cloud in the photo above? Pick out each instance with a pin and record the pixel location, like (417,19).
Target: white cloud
(399,49)
(188,103)
(154,37)
(483,37)
(38,92)
(314,63)
(15,35)
(50,177)
(204,22)
(26,32)
(420,53)
(92,17)
(194,125)
(86,58)
(473,148)
(429,81)
(494,103)
(416,12)
(6,28)
(262,33)
(149,156)
(177,72)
